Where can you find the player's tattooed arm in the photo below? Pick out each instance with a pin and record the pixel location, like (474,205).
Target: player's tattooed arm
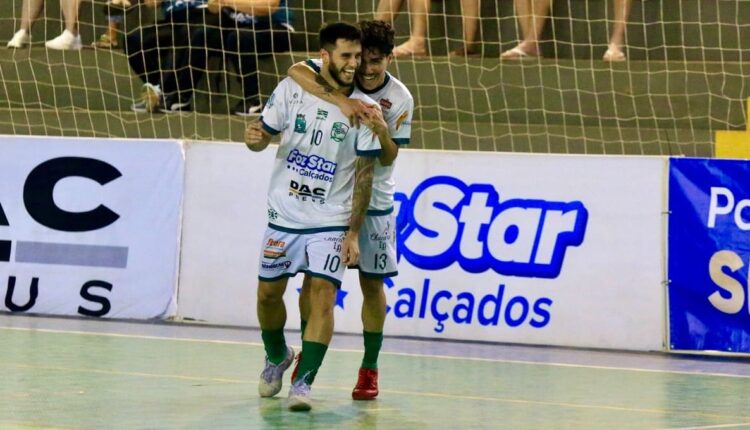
(374,120)
(315,84)
(363,175)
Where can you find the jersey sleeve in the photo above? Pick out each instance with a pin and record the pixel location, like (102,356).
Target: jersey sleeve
(275,112)
(400,124)
(367,143)
(315,64)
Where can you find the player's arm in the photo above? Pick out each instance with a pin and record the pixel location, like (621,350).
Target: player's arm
(256,137)
(252,7)
(312,82)
(374,120)
(363,174)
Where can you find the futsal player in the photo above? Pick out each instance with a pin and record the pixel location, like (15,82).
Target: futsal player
(315,207)
(377,240)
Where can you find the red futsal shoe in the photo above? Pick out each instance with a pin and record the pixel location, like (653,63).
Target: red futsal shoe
(367,385)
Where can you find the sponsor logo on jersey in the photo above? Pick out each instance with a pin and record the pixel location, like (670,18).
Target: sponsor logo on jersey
(306,165)
(305,192)
(338,132)
(401,120)
(276,265)
(274,249)
(322,114)
(385,104)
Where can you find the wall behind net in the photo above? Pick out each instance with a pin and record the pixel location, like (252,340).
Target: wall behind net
(685,78)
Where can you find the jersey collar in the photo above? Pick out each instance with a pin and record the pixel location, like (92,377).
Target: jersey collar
(385,82)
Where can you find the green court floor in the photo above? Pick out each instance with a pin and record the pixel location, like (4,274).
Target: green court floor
(60,375)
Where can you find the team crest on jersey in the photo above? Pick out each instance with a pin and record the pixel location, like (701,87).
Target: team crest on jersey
(272,215)
(322,114)
(385,104)
(300,123)
(338,132)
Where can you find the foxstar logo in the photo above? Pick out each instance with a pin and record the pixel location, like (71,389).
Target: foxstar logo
(301,162)
(447,221)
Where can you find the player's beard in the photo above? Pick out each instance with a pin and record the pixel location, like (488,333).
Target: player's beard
(336,75)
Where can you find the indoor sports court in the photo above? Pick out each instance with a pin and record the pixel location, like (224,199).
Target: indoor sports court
(76,374)
(568,214)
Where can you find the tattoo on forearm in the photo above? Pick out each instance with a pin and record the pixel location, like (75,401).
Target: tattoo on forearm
(365,169)
(327,88)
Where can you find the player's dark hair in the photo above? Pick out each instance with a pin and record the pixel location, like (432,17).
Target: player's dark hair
(377,36)
(332,32)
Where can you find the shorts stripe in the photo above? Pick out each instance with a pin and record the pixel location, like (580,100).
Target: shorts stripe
(378,275)
(306,230)
(276,278)
(380,212)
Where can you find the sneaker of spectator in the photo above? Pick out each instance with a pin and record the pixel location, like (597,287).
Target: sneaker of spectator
(248,107)
(66,41)
(19,40)
(174,105)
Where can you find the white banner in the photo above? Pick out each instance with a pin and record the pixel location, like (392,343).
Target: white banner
(537,249)
(90,226)
(223,224)
(552,250)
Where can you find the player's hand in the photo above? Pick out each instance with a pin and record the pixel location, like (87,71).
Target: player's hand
(353,109)
(350,249)
(255,139)
(372,117)
(213,6)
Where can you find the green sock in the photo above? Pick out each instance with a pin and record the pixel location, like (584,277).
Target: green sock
(373,343)
(275,344)
(312,358)
(303,326)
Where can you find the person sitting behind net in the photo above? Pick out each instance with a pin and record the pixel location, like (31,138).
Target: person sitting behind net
(30,11)
(238,31)
(532,15)
(156,51)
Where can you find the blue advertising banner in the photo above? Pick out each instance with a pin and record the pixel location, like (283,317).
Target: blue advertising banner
(709,252)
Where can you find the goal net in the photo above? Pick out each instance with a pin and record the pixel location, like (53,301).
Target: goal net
(684,78)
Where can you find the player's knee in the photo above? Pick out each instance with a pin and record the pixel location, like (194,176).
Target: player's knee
(267,295)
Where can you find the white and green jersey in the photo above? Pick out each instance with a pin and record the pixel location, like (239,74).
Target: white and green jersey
(313,175)
(397,105)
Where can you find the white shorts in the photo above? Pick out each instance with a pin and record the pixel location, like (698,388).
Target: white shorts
(377,247)
(285,254)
